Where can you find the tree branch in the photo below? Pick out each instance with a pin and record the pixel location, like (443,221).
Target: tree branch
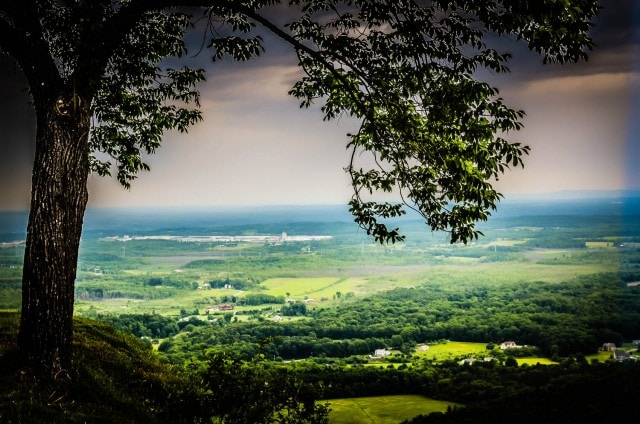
(21,37)
(94,57)
(296,44)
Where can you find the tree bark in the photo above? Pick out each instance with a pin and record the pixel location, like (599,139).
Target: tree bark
(58,202)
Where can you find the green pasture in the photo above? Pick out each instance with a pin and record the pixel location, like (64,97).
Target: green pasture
(167,307)
(534,360)
(364,281)
(172,305)
(601,356)
(506,242)
(383,409)
(452,350)
(313,287)
(512,272)
(380,363)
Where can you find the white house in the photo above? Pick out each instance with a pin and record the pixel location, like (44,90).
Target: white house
(381,353)
(508,345)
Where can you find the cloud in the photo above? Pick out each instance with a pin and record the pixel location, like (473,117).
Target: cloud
(578,127)
(240,85)
(579,85)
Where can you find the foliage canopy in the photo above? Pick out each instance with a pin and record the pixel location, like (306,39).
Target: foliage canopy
(408,70)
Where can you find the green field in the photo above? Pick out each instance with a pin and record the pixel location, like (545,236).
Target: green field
(535,361)
(456,350)
(601,356)
(316,288)
(383,409)
(452,350)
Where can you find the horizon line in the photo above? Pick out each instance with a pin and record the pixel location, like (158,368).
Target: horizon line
(559,195)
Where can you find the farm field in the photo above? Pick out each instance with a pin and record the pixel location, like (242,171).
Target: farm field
(535,361)
(383,409)
(320,288)
(452,350)
(601,356)
(315,288)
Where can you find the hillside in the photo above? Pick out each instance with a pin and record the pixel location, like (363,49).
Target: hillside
(118,380)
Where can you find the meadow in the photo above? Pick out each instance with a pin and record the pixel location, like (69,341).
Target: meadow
(383,409)
(452,350)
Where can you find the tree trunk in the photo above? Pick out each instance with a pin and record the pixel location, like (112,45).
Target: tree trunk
(58,202)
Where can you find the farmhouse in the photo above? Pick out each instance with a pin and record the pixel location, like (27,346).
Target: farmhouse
(225,307)
(380,353)
(621,355)
(508,345)
(609,347)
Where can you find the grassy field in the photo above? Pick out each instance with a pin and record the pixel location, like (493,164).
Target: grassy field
(312,287)
(535,361)
(601,356)
(451,350)
(383,409)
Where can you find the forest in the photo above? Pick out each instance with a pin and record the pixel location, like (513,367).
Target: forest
(311,314)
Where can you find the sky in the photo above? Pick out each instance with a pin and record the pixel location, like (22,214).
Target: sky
(255,146)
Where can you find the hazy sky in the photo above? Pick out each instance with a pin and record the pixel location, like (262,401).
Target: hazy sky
(255,146)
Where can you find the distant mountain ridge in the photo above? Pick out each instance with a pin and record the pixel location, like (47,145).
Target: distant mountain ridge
(120,221)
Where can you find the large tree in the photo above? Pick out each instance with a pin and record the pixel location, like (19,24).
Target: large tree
(407,69)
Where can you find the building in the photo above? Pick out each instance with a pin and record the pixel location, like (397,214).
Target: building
(508,345)
(381,353)
(621,355)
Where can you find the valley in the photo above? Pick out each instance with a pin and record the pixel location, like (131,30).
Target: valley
(318,298)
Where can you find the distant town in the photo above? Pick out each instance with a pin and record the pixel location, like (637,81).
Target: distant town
(282,238)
